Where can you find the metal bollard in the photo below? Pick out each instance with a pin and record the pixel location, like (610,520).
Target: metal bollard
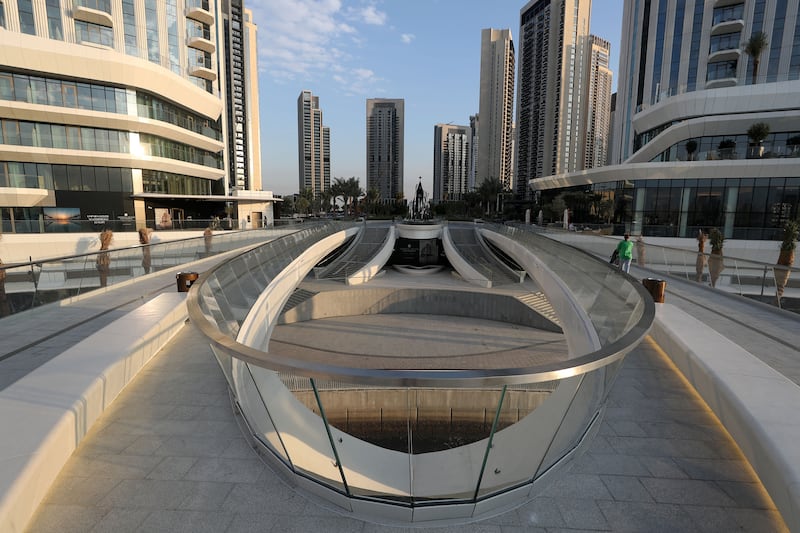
(656,288)
(186,280)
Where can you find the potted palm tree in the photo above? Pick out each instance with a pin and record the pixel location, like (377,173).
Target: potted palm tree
(786,257)
(757,133)
(103,259)
(691,148)
(700,263)
(726,148)
(753,48)
(716,263)
(793,146)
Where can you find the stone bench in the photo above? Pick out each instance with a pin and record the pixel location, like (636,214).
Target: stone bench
(45,415)
(756,404)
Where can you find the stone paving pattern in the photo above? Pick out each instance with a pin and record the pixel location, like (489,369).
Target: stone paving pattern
(168,455)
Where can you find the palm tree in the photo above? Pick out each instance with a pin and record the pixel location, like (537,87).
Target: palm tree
(338,190)
(372,197)
(306,200)
(489,190)
(754,46)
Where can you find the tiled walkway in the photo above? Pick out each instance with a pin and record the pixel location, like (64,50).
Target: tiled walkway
(169,456)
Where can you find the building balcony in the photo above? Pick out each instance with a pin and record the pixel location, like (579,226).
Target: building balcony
(199,14)
(722,82)
(202,43)
(727,26)
(201,71)
(730,54)
(93,16)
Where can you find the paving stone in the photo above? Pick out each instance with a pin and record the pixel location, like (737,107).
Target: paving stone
(626,488)
(65,519)
(160,521)
(687,491)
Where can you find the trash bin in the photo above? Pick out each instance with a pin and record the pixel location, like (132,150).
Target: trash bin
(186,280)
(656,288)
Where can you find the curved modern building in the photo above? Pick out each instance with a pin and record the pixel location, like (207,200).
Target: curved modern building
(458,420)
(115,110)
(687,96)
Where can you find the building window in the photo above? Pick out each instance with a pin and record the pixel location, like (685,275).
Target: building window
(172,37)
(2,15)
(129,27)
(87,32)
(725,41)
(54,19)
(26,19)
(721,70)
(151,18)
(99,5)
(728,13)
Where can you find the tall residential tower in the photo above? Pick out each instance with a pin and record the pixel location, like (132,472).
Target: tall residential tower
(452,151)
(496,107)
(552,88)
(385,131)
(313,146)
(702,140)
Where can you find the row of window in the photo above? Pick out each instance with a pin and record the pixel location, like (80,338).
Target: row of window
(65,177)
(154,181)
(95,97)
(98,179)
(43,135)
(779,144)
(89,32)
(747,208)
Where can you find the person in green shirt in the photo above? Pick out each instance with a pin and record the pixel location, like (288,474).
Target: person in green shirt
(625,251)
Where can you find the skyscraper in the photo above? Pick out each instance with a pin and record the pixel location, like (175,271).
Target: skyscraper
(496,107)
(241,84)
(702,139)
(452,160)
(385,131)
(598,104)
(552,88)
(313,146)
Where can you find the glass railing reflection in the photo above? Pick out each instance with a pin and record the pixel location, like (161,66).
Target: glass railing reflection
(27,285)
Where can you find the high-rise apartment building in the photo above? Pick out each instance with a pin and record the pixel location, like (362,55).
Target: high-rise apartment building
(686,156)
(598,104)
(114,113)
(452,161)
(552,88)
(313,146)
(496,107)
(474,143)
(241,85)
(385,151)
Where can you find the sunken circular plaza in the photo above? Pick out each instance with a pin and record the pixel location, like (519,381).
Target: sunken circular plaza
(428,399)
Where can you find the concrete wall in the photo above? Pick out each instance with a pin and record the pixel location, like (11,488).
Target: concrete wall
(368,301)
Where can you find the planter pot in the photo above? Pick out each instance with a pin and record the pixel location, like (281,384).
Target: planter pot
(716,264)
(755,151)
(782,271)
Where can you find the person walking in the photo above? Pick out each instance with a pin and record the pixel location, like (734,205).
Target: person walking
(625,251)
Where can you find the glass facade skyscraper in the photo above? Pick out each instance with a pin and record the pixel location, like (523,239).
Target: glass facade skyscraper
(688,95)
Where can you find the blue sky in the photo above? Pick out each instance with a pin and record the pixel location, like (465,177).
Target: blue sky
(345,51)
